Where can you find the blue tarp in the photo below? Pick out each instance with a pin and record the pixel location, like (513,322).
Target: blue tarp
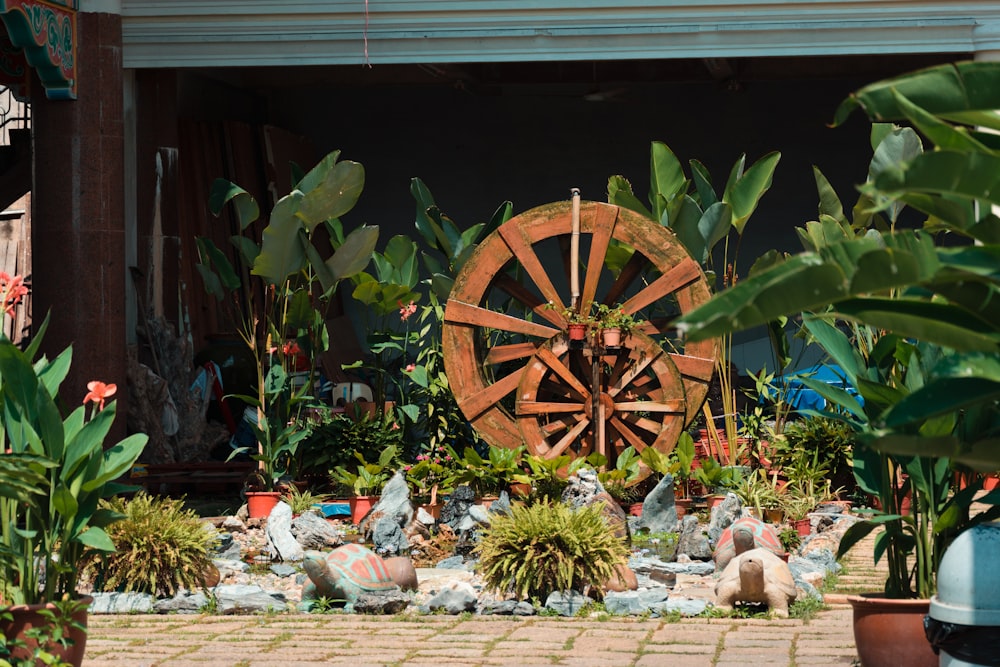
(801,397)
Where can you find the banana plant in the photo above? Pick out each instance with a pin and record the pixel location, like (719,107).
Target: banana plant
(283,316)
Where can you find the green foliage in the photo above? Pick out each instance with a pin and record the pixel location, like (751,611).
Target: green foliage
(367,478)
(806,608)
(159,547)
(282,316)
(303,501)
(67,461)
(614,317)
(548,476)
(548,547)
(819,447)
(923,330)
(620,481)
(486,476)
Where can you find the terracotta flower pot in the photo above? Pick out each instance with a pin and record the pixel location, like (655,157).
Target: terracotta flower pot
(890,632)
(360,506)
(683,506)
(26,617)
(577,331)
(802,526)
(260,503)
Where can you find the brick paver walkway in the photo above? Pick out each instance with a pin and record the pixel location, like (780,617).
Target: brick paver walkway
(297,640)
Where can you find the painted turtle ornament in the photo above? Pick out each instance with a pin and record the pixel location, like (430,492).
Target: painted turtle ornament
(744,534)
(344,574)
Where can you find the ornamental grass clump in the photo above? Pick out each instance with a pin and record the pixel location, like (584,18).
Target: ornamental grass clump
(160,547)
(547,547)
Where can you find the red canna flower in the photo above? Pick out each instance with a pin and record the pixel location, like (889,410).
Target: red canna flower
(407,310)
(98,392)
(12,290)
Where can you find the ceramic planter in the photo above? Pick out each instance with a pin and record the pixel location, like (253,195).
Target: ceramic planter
(802,526)
(890,632)
(577,331)
(611,337)
(28,616)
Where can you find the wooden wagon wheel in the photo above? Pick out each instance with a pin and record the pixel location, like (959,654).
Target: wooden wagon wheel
(505,351)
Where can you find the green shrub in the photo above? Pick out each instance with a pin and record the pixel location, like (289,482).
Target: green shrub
(159,547)
(548,547)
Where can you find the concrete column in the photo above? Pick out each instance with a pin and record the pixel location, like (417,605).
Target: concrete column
(78,217)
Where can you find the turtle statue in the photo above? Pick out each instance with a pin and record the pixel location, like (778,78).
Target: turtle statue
(742,535)
(344,574)
(757,575)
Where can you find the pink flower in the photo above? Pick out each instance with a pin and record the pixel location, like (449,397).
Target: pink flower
(410,368)
(11,291)
(407,310)
(98,392)
(395,426)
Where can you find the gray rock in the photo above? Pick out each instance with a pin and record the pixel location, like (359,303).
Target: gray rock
(121,603)
(312,531)
(461,499)
(506,608)
(452,563)
(227,566)
(454,598)
(231,551)
(280,541)
(693,542)
(657,572)
(659,512)
(283,570)
(566,603)
(501,505)
(223,542)
(388,538)
(394,503)
(633,603)
(723,515)
(424,517)
(686,607)
(184,602)
(381,602)
(247,599)
(582,488)
(475,518)
(823,559)
(234,525)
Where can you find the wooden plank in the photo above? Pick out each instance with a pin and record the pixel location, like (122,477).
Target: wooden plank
(519,244)
(502,353)
(676,405)
(457,312)
(679,276)
(489,396)
(557,366)
(546,407)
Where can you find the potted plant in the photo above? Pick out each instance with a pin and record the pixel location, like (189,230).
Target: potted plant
(578,319)
(428,480)
(56,471)
(758,492)
(910,341)
(487,476)
(281,310)
(621,481)
(365,480)
(613,323)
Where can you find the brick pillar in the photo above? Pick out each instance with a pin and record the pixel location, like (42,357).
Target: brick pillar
(78,216)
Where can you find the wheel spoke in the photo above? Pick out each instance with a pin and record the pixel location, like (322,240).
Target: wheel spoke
(476,403)
(515,289)
(545,407)
(644,423)
(463,313)
(633,269)
(628,434)
(677,406)
(694,366)
(633,371)
(567,439)
(683,274)
(604,227)
(525,254)
(564,373)
(502,353)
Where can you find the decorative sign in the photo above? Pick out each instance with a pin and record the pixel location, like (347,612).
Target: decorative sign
(45,31)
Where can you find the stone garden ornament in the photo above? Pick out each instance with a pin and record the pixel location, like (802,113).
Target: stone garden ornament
(759,576)
(344,574)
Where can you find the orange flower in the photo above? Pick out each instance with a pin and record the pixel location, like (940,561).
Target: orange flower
(291,348)
(12,290)
(98,392)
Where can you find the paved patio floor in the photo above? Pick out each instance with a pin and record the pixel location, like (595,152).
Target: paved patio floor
(290,640)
